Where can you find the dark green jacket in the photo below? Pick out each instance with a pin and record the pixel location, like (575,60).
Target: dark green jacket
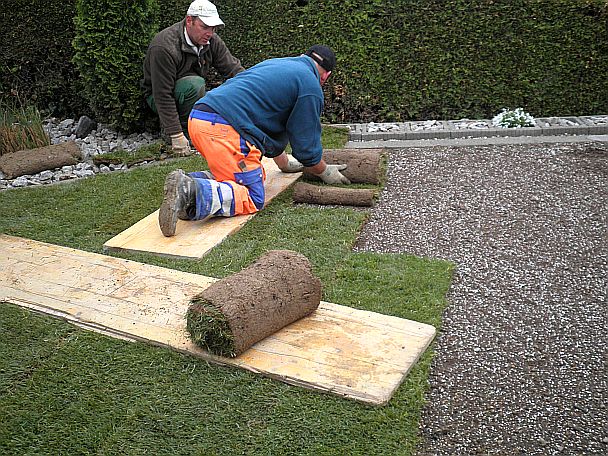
(169,58)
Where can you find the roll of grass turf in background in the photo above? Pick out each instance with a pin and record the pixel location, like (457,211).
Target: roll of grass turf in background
(33,161)
(363,166)
(317,194)
(236,312)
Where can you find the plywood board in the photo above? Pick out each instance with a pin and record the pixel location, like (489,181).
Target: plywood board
(194,238)
(353,353)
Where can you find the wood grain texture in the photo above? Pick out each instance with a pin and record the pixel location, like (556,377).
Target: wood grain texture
(193,238)
(352,353)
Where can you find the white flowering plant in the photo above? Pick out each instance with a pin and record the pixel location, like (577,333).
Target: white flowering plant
(513,118)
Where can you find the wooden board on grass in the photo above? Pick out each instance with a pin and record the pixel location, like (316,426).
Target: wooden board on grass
(193,238)
(352,353)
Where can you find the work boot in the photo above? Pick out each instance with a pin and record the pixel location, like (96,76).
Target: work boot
(179,196)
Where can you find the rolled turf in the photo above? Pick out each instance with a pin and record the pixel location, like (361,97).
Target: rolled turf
(363,166)
(316,194)
(236,312)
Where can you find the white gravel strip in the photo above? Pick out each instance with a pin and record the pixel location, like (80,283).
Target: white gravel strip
(521,365)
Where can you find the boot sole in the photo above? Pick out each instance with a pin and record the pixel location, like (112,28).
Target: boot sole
(167,215)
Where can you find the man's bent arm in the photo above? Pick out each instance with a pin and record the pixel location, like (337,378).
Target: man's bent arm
(162,72)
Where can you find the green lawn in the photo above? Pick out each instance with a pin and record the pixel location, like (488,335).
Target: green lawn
(67,391)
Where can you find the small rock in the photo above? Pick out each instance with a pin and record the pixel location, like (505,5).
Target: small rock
(20,182)
(46,175)
(85,126)
(66,123)
(373,127)
(83,172)
(90,151)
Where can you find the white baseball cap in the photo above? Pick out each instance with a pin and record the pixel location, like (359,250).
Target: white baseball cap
(207,11)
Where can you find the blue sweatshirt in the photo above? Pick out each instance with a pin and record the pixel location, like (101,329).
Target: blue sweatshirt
(272,103)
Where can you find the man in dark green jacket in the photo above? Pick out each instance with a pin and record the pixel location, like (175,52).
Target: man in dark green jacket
(176,65)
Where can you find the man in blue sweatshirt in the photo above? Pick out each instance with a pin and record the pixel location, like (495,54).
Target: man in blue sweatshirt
(254,114)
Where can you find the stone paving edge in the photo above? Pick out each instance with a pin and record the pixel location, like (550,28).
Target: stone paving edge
(448,129)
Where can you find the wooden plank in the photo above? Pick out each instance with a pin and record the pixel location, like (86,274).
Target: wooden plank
(353,353)
(193,238)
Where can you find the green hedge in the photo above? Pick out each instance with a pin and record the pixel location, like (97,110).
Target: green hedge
(425,59)
(36,53)
(110,44)
(397,60)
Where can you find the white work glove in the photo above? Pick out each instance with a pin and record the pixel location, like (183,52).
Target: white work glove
(180,145)
(332,175)
(293,165)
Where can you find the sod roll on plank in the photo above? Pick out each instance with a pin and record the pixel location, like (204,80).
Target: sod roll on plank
(236,312)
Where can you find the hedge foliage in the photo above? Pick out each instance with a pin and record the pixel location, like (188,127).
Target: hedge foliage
(397,60)
(36,53)
(438,59)
(110,44)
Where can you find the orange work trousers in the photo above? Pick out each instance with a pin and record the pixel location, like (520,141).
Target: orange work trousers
(231,159)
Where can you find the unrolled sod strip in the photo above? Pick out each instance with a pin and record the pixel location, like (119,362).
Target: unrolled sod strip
(236,312)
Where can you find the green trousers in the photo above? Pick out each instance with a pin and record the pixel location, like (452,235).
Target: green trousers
(188,90)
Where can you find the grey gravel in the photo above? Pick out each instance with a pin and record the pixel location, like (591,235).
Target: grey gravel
(521,360)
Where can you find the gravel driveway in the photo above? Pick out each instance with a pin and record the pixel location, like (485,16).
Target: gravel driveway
(521,365)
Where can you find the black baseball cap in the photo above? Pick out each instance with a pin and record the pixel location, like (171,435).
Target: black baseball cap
(323,55)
